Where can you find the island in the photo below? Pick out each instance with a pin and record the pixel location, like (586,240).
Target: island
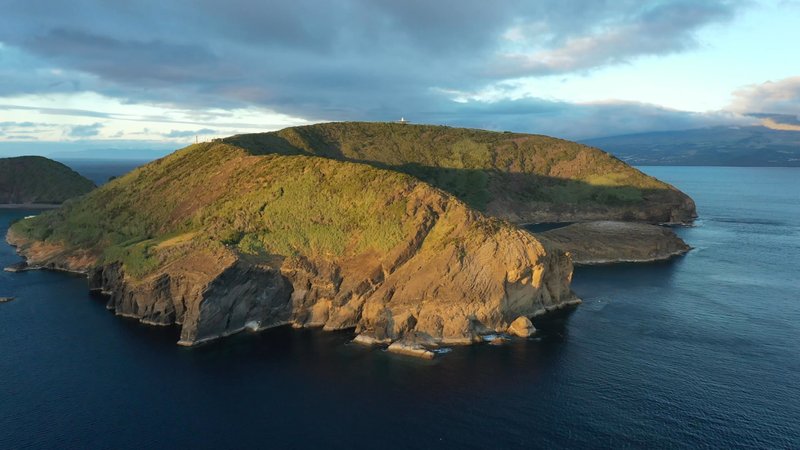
(35,181)
(295,227)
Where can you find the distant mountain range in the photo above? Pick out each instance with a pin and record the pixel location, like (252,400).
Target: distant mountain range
(717,146)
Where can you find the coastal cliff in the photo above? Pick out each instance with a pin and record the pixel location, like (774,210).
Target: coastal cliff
(217,241)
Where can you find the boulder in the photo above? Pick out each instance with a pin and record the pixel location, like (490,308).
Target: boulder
(521,327)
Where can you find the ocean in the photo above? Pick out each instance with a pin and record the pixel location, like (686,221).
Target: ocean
(702,351)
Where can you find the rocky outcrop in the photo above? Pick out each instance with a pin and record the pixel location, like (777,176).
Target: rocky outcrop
(666,207)
(522,327)
(607,242)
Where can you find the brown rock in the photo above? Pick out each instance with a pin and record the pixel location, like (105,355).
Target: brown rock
(521,327)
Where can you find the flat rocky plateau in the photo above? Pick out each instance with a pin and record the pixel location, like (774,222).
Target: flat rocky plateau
(608,242)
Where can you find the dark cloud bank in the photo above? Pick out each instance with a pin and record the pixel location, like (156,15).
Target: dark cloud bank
(353,59)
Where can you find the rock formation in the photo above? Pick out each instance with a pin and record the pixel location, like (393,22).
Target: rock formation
(522,327)
(607,242)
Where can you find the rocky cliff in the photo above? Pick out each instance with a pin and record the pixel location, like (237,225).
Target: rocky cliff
(217,241)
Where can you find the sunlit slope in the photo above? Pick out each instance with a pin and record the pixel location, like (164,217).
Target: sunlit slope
(521,177)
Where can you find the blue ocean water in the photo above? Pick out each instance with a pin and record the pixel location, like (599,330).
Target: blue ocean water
(100,170)
(699,352)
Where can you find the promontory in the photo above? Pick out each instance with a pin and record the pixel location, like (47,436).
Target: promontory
(404,233)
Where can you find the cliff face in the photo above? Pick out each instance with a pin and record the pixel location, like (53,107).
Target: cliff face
(34,179)
(523,178)
(218,241)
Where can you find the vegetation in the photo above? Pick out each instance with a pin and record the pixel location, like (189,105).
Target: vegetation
(34,179)
(475,165)
(213,195)
(305,191)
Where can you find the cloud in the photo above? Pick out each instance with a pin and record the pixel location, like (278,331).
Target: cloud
(657,28)
(352,59)
(771,97)
(146,63)
(776,103)
(23,72)
(84,131)
(8,124)
(782,122)
(58,111)
(576,120)
(20,137)
(189,133)
(24,130)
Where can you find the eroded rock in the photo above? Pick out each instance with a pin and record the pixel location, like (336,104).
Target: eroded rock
(521,327)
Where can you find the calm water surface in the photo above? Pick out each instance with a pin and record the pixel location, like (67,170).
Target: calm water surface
(703,351)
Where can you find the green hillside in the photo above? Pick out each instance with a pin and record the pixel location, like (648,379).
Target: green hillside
(521,177)
(35,179)
(289,193)
(212,194)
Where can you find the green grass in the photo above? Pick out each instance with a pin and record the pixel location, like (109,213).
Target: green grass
(258,205)
(477,166)
(306,205)
(289,193)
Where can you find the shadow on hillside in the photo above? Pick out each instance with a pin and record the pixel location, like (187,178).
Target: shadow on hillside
(477,187)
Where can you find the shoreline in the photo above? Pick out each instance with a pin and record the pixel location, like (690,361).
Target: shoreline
(611,262)
(612,242)
(30,205)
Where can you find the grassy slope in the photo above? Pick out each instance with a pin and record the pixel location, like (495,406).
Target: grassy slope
(34,179)
(475,165)
(208,195)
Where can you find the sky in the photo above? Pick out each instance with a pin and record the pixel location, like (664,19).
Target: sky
(120,75)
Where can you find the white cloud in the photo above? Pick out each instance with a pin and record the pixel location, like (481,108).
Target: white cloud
(771,97)
(66,118)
